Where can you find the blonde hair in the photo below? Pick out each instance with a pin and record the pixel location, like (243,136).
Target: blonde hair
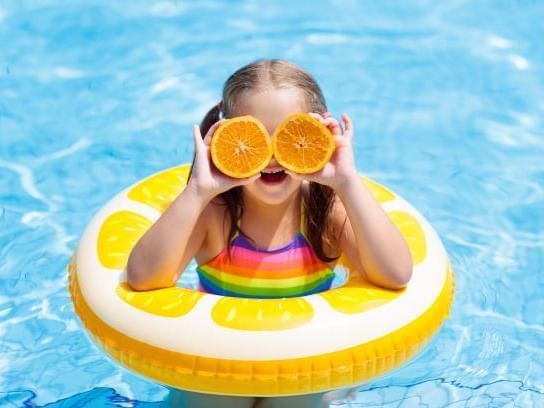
(259,75)
(275,73)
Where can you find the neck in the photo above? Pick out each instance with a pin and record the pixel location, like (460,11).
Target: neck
(273,216)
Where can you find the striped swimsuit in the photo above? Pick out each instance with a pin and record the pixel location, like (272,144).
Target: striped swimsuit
(253,272)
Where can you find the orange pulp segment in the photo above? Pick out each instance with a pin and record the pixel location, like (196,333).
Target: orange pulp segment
(302,144)
(241,147)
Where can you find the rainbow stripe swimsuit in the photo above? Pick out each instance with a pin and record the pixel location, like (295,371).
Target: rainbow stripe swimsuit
(291,270)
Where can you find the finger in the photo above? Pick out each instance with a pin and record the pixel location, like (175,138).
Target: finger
(330,119)
(333,125)
(316,116)
(197,138)
(348,125)
(211,131)
(321,117)
(340,141)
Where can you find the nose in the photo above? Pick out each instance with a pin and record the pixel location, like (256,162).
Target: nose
(273,164)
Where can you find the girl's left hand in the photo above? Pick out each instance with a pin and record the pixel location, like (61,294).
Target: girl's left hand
(341,166)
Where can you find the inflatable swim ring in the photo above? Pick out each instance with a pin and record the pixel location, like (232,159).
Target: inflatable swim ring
(207,343)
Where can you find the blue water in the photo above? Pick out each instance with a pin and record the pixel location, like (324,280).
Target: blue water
(448,103)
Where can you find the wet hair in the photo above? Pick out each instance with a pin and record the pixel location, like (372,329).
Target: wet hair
(275,73)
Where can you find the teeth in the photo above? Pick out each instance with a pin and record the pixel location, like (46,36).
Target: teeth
(271,171)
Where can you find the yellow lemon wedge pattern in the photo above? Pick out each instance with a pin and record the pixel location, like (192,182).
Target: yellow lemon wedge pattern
(412,233)
(262,314)
(118,234)
(380,193)
(160,190)
(167,302)
(214,344)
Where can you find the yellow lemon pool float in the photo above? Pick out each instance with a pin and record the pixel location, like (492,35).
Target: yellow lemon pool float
(214,344)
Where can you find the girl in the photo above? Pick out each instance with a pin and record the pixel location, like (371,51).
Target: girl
(216,217)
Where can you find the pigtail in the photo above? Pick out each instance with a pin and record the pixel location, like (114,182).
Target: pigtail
(213,115)
(319,204)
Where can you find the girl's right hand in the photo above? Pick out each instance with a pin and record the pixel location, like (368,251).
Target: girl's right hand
(206,179)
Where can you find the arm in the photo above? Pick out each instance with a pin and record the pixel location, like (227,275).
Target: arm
(163,252)
(369,239)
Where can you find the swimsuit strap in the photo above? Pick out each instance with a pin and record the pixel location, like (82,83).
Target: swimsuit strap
(290,270)
(237,232)
(302,217)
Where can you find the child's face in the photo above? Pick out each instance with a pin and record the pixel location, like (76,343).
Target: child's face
(271,106)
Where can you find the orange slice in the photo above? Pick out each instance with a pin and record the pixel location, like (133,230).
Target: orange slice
(241,147)
(302,144)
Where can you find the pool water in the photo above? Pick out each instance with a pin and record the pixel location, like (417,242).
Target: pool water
(448,104)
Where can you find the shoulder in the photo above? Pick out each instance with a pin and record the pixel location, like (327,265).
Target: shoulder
(215,221)
(337,221)
(338,213)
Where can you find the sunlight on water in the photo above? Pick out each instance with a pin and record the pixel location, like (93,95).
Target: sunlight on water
(448,104)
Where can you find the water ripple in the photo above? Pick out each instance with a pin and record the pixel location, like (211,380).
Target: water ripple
(446,99)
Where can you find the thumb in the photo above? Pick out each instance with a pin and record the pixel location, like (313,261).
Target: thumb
(197,138)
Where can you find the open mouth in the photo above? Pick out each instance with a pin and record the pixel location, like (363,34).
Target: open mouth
(273,177)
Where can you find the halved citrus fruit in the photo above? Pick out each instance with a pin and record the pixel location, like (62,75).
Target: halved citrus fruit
(302,144)
(241,147)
